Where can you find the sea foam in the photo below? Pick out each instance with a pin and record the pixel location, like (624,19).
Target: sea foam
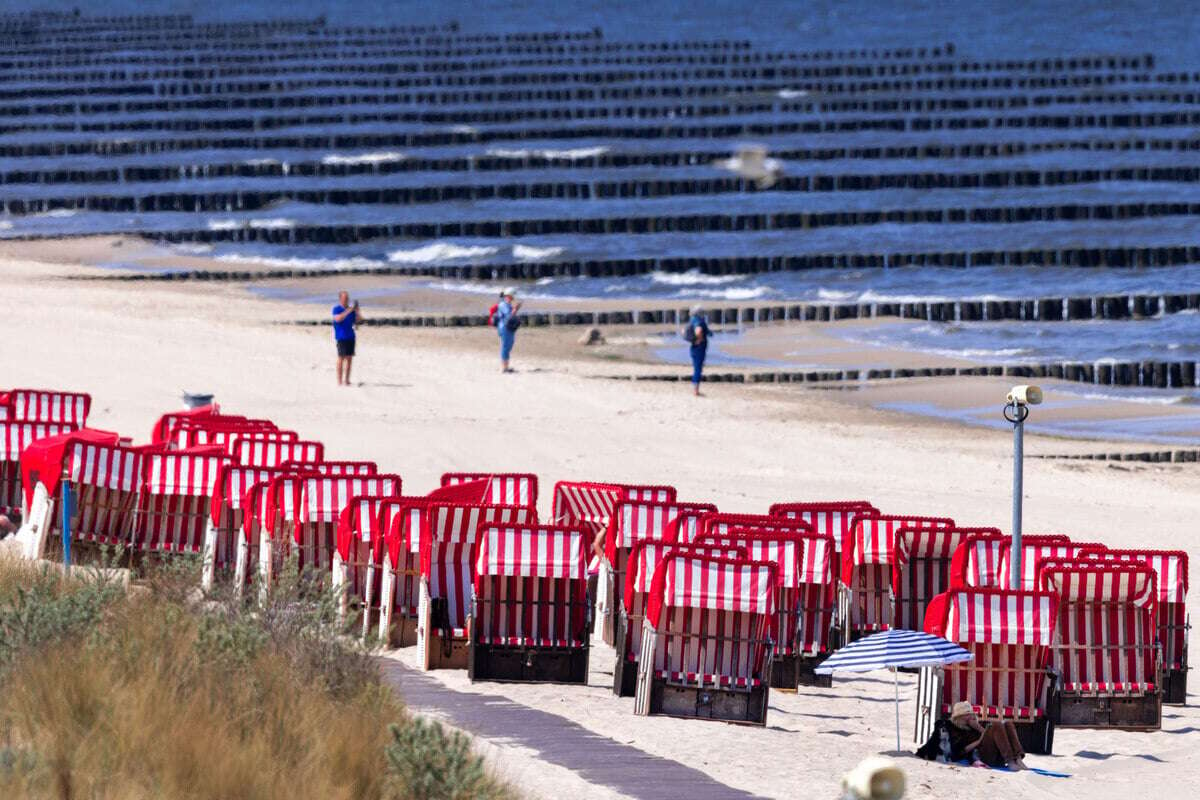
(440,251)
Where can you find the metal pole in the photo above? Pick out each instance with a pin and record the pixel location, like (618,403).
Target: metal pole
(67,503)
(896,685)
(1014,579)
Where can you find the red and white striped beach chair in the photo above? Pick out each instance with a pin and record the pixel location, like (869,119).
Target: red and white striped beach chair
(397,552)
(15,436)
(631,522)
(707,639)
(105,477)
(817,595)
(46,405)
(591,504)
(504,488)
(786,549)
(529,617)
(161,432)
(447,543)
(353,557)
(921,562)
(1009,634)
(867,569)
(644,558)
(264,452)
(320,503)
(1171,567)
(1105,647)
(223,537)
(334,468)
(175,502)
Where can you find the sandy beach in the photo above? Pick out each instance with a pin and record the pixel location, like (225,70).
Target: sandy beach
(429,401)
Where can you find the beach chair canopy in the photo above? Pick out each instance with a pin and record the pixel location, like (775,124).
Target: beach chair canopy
(47,459)
(324,497)
(357,521)
(46,405)
(872,537)
(832,516)
(175,500)
(635,520)
(593,503)
(647,554)
(1034,551)
(199,430)
(1009,633)
(713,620)
(15,437)
(162,428)
(1105,640)
(229,490)
(335,468)
(262,452)
(505,488)
(720,522)
(921,562)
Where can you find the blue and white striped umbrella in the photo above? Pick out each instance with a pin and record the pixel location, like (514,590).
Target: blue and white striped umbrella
(892,649)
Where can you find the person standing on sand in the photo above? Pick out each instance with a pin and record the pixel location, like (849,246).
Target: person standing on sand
(345,317)
(507,322)
(697,333)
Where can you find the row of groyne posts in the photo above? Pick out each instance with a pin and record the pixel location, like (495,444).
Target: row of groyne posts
(1050,309)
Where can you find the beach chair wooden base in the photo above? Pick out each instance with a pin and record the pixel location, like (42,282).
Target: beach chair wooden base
(519,664)
(785,673)
(439,656)
(624,670)
(742,707)
(624,676)
(1175,687)
(805,672)
(1133,713)
(1036,737)
(402,632)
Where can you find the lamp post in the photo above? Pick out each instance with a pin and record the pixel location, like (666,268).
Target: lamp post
(1016,410)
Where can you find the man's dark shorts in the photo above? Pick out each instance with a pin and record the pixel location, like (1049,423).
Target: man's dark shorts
(345,348)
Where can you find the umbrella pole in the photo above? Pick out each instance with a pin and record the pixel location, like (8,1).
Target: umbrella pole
(896,684)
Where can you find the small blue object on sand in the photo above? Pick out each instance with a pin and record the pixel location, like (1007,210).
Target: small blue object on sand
(1036,770)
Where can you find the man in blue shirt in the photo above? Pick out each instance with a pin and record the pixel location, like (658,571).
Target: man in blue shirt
(345,317)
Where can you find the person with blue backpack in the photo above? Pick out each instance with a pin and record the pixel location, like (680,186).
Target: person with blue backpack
(504,317)
(696,334)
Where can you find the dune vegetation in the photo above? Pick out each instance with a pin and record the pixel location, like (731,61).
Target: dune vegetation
(155,692)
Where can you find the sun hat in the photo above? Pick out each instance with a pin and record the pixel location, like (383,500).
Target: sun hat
(961,709)
(509,291)
(697,309)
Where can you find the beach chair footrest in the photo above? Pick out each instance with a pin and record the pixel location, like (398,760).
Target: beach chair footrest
(1175,686)
(728,705)
(524,664)
(1139,712)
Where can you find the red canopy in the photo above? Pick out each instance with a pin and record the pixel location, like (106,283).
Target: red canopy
(42,461)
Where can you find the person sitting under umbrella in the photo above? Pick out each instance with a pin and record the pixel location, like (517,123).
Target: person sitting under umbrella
(963,737)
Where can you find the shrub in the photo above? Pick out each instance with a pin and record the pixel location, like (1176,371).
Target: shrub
(429,764)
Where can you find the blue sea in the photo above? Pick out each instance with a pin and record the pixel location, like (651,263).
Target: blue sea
(979,31)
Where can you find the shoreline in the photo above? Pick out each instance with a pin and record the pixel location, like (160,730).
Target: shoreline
(432,400)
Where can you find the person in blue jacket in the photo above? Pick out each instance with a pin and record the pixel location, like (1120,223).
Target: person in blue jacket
(507,322)
(345,317)
(697,333)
